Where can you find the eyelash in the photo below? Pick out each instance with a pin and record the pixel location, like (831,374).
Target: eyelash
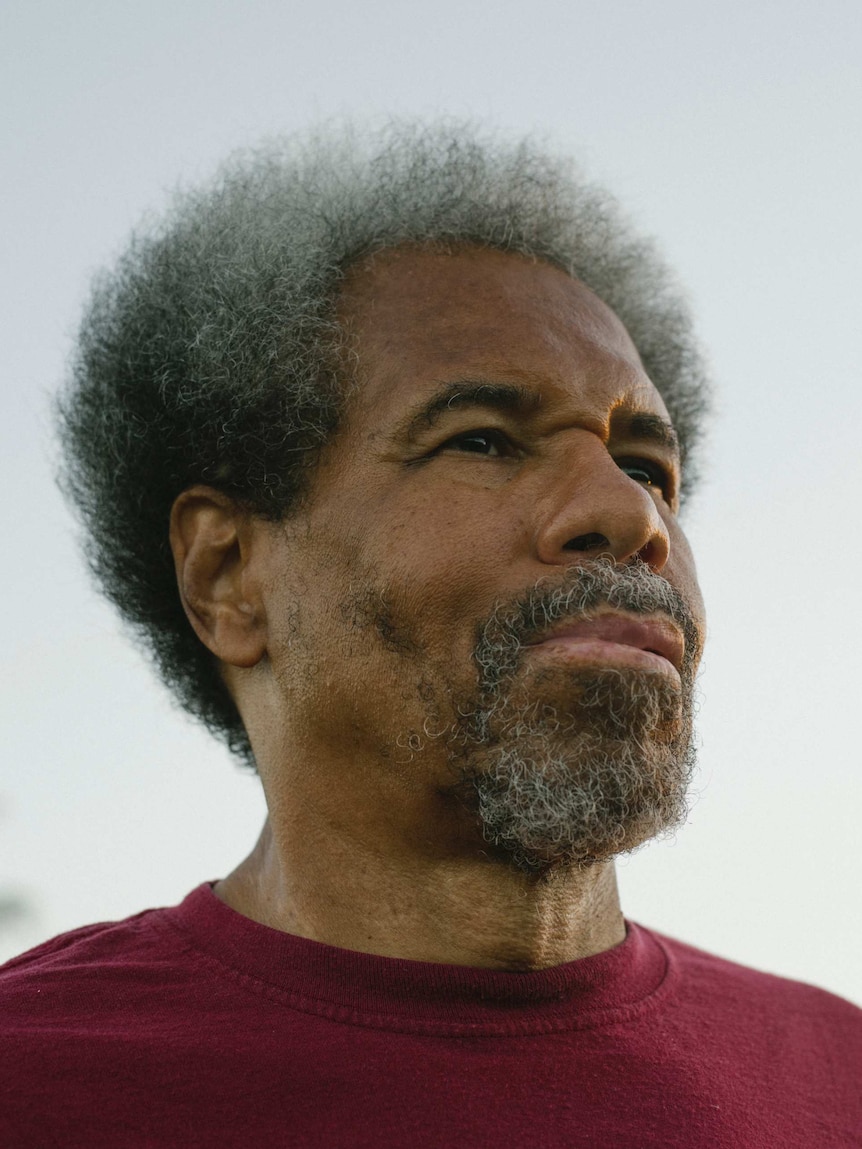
(655,474)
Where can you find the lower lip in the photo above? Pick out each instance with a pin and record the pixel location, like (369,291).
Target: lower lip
(600,652)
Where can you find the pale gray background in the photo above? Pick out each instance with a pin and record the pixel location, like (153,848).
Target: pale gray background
(732,132)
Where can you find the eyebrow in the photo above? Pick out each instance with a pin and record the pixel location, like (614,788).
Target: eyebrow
(654,429)
(508,398)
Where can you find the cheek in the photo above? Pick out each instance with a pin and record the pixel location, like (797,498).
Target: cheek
(681,571)
(447,563)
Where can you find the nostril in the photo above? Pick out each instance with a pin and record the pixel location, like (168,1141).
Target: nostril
(653,555)
(587,543)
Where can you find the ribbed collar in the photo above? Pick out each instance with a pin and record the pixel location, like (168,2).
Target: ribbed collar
(396,993)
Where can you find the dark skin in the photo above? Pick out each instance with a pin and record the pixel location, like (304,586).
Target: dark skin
(442,516)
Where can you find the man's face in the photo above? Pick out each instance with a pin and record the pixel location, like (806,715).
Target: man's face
(504,473)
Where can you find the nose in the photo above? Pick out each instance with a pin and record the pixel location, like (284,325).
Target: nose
(596,508)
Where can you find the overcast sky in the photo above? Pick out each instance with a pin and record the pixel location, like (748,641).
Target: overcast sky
(731,131)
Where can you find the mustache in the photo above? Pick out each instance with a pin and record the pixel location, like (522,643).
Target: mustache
(633,587)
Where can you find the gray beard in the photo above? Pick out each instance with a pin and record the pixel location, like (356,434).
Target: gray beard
(579,784)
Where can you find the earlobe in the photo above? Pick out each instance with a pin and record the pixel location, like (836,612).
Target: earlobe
(213,542)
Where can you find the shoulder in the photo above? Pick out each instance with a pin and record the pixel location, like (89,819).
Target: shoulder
(98,968)
(720,986)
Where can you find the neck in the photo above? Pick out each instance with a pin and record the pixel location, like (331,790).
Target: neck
(458,910)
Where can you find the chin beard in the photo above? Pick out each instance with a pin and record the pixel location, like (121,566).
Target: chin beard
(574,790)
(582,782)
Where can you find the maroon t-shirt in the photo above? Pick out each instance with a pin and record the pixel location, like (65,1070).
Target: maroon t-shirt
(194,1026)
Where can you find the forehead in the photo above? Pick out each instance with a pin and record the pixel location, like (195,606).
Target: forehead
(423,317)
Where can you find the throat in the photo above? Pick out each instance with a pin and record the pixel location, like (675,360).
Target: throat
(477,913)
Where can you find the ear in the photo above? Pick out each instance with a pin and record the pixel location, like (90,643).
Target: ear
(216,545)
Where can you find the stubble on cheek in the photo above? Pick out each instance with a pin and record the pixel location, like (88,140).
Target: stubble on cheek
(372,611)
(395,684)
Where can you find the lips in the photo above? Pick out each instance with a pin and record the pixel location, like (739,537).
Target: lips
(655,635)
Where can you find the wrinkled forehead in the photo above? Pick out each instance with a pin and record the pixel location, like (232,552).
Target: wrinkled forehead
(417,316)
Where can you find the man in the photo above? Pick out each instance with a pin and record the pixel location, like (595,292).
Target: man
(381,448)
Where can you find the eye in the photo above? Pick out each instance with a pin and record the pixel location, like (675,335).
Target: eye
(646,471)
(488,442)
